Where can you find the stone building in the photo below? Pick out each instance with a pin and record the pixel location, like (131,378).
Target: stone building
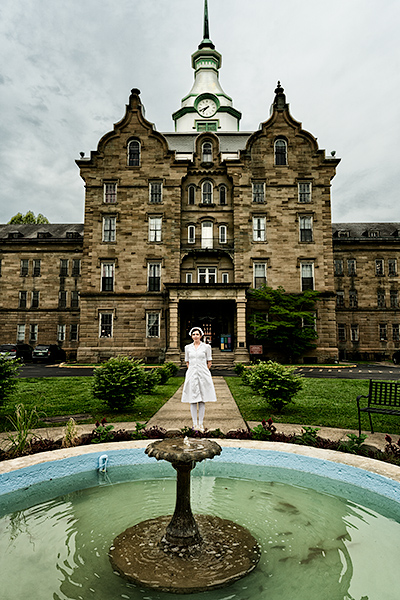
(367,289)
(179,226)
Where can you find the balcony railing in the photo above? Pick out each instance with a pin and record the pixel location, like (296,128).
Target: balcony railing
(210,244)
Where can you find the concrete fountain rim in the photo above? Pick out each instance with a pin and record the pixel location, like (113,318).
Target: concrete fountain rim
(377,467)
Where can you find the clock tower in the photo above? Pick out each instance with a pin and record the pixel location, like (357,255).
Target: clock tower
(207,107)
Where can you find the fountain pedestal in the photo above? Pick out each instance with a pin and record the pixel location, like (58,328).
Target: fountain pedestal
(184,554)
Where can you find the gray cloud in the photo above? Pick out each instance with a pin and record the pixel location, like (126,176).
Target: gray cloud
(68,69)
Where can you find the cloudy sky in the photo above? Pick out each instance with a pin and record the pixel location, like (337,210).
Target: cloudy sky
(67,68)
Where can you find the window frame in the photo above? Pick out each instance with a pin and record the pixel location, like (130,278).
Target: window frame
(259,280)
(223,234)
(223,195)
(191,194)
(37,267)
(134,158)
(21,330)
(74,299)
(340,299)
(76,267)
(306,233)
(109,229)
(258,192)
(207,241)
(341,329)
(74,332)
(155,229)
(155,192)
(280,158)
(392,267)
(304,196)
(107,280)
(353,299)
(22,299)
(394,299)
(259,228)
(207,152)
(24,272)
(154,280)
(209,273)
(62,299)
(33,332)
(110,192)
(383,332)
(35,299)
(156,324)
(304,279)
(379,267)
(64,267)
(396,332)
(103,327)
(225,278)
(381,299)
(189,278)
(207,197)
(61,332)
(338,267)
(354,333)
(351,267)
(191,234)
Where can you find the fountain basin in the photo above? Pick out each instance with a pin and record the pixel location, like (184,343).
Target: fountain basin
(93,517)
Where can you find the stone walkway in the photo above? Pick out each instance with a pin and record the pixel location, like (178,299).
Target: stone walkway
(223,415)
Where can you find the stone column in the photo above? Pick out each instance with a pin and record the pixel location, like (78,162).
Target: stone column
(241,352)
(173,350)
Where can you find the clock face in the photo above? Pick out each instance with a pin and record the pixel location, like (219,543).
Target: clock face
(206,107)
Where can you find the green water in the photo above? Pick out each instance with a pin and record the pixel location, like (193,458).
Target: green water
(314,545)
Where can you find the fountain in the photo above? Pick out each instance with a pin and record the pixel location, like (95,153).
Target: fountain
(183,554)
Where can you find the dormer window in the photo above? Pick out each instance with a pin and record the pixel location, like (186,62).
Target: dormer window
(134,153)
(280,148)
(206,152)
(43,234)
(14,235)
(343,233)
(373,233)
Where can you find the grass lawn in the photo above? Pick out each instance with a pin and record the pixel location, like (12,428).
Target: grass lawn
(57,396)
(321,403)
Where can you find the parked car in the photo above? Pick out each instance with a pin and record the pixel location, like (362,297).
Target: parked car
(23,351)
(48,352)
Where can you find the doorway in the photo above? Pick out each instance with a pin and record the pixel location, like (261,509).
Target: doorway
(215,317)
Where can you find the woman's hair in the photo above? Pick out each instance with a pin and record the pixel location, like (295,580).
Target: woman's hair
(196,329)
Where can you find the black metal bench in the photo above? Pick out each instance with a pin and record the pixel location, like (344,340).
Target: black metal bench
(383,397)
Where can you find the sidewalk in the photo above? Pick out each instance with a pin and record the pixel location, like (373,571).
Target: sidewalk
(223,415)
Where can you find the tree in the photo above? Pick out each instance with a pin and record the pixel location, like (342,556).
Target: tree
(28,219)
(285,321)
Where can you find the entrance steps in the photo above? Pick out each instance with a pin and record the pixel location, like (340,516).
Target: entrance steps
(220,360)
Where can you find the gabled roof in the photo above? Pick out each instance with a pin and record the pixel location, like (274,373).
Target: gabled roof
(365,230)
(47,231)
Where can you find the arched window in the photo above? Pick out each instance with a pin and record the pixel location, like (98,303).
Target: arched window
(207,234)
(222,195)
(206,152)
(207,192)
(134,153)
(191,194)
(280,152)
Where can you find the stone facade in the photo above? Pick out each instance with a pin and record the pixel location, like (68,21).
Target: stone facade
(179,226)
(40,284)
(366,262)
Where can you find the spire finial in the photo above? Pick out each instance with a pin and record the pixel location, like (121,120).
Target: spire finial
(206,43)
(206,30)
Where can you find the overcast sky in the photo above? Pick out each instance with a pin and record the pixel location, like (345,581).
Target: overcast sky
(67,68)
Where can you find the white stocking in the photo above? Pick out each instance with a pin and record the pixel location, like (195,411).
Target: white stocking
(202,410)
(193,412)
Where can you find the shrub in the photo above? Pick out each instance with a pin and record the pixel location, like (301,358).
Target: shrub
(118,382)
(276,383)
(172,368)
(8,373)
(239,368)
(22,423)
(151,379)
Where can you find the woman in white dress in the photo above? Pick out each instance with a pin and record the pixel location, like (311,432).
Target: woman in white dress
(198,388)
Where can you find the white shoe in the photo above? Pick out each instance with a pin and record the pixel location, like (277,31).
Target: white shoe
(201,428)
(195,426)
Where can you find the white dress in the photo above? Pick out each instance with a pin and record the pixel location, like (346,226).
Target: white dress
(198,385)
